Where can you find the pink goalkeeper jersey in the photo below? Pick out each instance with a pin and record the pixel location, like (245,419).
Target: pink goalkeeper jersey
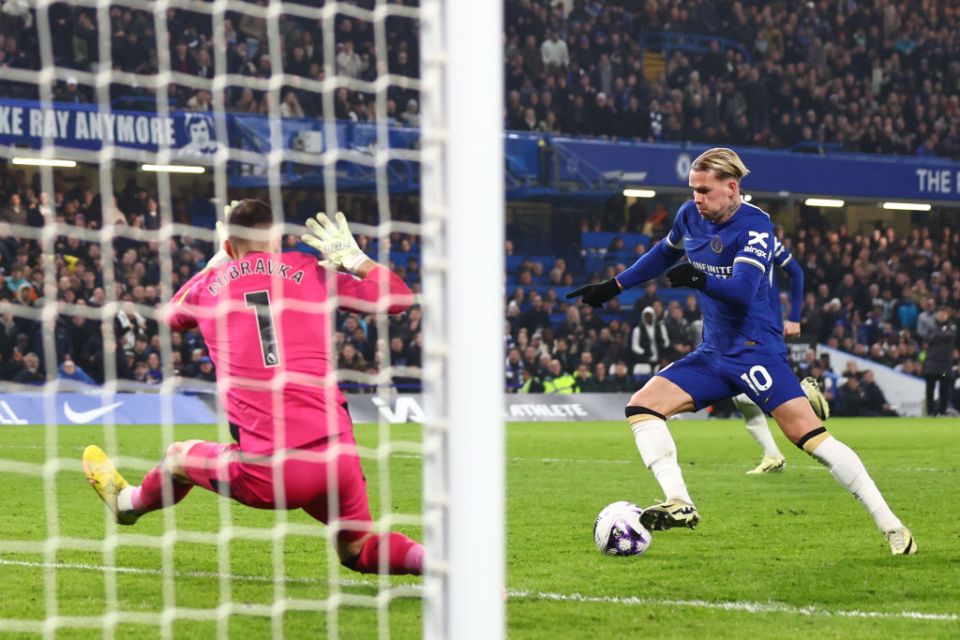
(265,316)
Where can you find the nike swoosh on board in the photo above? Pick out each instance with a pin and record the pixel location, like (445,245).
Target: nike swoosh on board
(83,417)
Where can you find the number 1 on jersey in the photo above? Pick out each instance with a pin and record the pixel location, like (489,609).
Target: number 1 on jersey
(260,301)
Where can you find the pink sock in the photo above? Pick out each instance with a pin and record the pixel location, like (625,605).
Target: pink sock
(149,495)
(405,555)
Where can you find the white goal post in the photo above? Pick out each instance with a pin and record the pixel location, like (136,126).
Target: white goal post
(462,226)
(464,223)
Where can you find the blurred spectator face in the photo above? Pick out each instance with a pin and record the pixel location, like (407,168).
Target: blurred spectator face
(514,356)
(69,367)
(31,362)
(554,367)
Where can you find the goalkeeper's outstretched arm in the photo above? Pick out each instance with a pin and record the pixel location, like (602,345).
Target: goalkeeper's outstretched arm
(360,280)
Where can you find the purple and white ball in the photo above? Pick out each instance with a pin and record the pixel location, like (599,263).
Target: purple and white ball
(618,532)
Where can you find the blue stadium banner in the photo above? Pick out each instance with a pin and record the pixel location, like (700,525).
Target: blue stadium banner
(837,174)
(84,126)
(66,408)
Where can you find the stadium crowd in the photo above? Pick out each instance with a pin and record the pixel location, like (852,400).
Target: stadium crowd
(75,32)
(882,297)
(879,77)
(135,349)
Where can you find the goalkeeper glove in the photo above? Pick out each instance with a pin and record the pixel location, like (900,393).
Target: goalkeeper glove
(687,275)
(597,294)
(221,256)
(335,242)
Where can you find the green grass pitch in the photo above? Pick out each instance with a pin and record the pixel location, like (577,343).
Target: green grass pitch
(788,555)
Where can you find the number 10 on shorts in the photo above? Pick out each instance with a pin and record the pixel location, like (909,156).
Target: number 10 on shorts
(758,379)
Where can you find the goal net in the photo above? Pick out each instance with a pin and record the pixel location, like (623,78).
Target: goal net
(125,128)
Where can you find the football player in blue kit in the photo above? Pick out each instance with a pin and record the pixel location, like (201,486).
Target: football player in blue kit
(729,246)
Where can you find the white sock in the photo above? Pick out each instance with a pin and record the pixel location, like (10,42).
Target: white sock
(846,467)
(124,500)
(659,453)
(757,425)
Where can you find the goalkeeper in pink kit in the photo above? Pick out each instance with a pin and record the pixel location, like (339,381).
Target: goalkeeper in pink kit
(264,316)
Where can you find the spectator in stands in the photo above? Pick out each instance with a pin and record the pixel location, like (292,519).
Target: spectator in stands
(411,115)
(536,317)
(349,62)
(532,382)
(206,370)
(70,92)
(557,380)
(584,379)
(850,401)
(599,382)
(70,371)
(649,343)
(927,320)
(554,53)
(873,402)
(938,364)
(290,107)
(514,371)
(154,372)
(620,381)
(679,332)
(30,373)
(14,211)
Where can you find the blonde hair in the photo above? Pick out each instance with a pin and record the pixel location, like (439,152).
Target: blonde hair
(725,163)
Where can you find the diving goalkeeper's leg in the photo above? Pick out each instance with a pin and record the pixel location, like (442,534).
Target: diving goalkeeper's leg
(163,486)
(358,546)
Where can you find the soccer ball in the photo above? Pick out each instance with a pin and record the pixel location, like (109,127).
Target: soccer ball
(618,532)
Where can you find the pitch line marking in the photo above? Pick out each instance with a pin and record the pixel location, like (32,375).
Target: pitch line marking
(746,607)
(637,461)
(414,456)
(717,605)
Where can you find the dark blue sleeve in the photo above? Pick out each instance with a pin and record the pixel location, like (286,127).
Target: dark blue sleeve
(649,265)
(795,271)
(741,289)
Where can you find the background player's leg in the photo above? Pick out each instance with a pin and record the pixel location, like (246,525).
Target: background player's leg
(802,426)
(757,426)
(149,496)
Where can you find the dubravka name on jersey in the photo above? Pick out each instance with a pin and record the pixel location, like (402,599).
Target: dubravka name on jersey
(250,267)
